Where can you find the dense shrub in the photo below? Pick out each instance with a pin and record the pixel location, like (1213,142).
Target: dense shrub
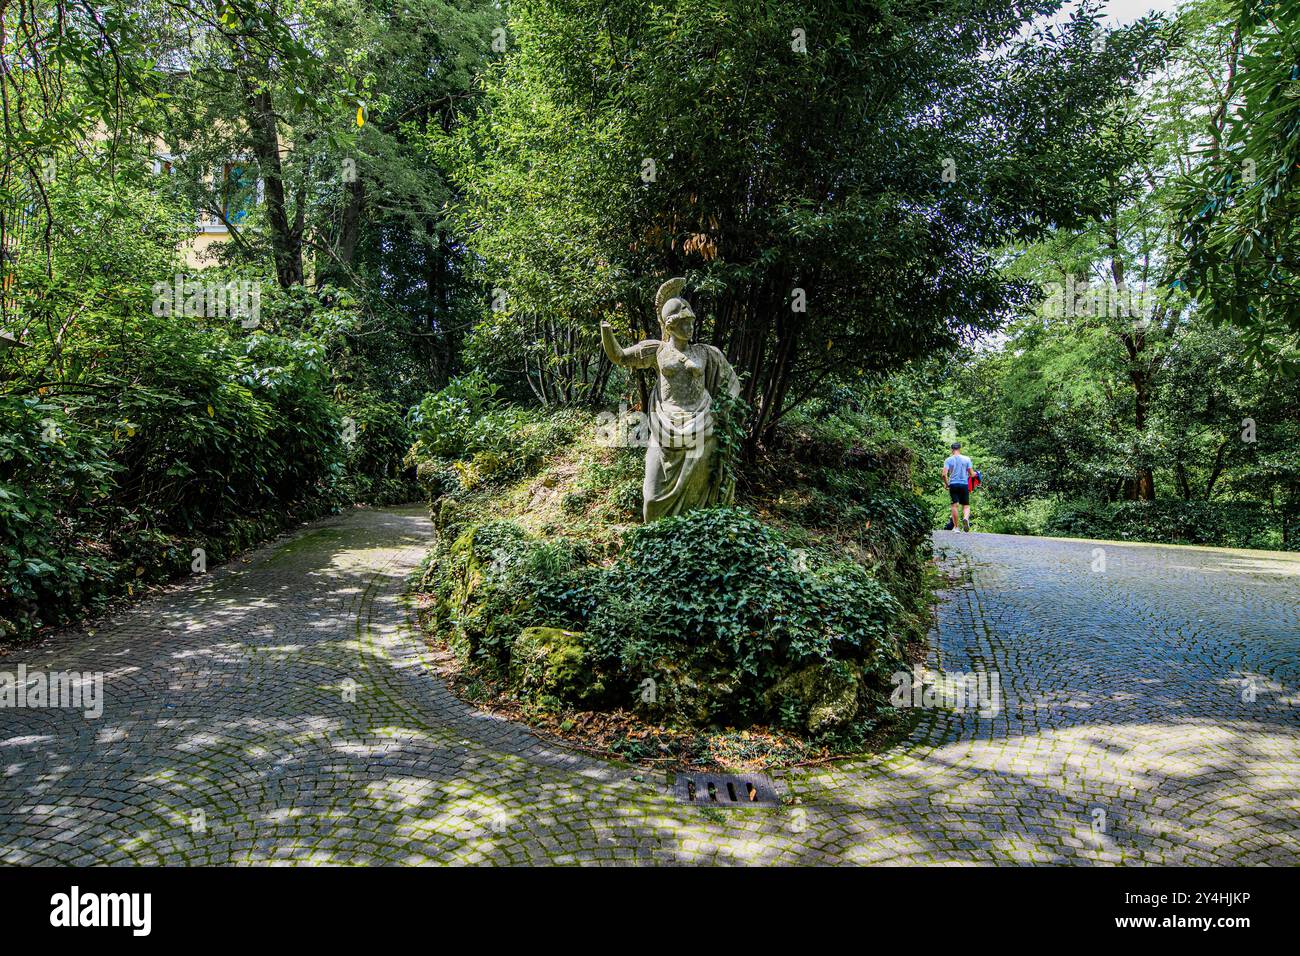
(864,495)
(450,423)
(712,608)
(1233,524)
(1170,521)
(465,437)
(376,438)
(54,474)
(996,515)
(217,440)
(719,585)
(169,434)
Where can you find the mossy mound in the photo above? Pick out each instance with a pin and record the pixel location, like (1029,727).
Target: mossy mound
(791,613)
(706,620)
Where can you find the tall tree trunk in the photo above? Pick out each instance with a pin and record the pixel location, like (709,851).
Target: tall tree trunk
(259,113)
(1184,485)
(1217,469)
(1142,486)
(349,234)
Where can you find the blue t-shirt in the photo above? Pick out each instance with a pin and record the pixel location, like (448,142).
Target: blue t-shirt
(958,470)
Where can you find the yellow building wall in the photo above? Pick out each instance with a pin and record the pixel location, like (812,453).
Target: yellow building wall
(199,252)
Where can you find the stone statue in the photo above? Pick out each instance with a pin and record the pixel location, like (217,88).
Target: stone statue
(679,461)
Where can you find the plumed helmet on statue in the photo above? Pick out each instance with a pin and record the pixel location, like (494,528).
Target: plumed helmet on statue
(668,294)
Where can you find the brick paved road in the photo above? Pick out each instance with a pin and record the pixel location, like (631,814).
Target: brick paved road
(229,735)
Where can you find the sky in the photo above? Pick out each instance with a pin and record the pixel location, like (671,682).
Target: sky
(1116,13)
(1119,12)
(1126,11)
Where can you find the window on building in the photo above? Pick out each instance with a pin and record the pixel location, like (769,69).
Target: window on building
(240,191)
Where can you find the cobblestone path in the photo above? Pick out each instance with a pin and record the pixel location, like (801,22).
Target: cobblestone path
(282,711)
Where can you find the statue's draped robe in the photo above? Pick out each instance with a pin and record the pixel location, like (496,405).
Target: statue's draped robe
(679,472)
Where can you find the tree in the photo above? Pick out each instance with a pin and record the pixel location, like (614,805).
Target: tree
(1123,256)
(349,196)
(248,95)
(1240,212)
(831,176)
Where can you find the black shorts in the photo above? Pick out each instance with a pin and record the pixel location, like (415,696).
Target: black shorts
(960,494)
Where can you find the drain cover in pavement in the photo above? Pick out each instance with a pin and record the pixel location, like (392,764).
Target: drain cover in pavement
(724,790)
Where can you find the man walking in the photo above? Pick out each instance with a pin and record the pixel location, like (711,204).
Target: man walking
(956,472)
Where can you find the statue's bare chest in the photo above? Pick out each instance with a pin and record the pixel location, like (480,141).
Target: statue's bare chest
(686,366)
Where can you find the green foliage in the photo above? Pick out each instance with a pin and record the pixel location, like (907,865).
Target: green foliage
(464,434)
(860,453)
(1237,524)
(889,419)
(492,581)
(720,579)
(1089,400)
(211,431)
(730,413)
(136,434)
(1052,419)
(615,476)
(54,473)
(132,434)
(1238,215)
(1002,516)
(457,420)
(562,210)
(711,607)
(716,609)
(377,436)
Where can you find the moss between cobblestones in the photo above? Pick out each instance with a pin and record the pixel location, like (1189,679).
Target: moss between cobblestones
(309,543)
(1187,772)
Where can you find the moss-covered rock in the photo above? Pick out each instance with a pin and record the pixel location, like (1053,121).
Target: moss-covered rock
(478,596)
(552,662)
(682,696)
(469,570)
(826,695)
(446,515)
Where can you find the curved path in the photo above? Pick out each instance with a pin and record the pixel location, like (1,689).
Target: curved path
(282,711)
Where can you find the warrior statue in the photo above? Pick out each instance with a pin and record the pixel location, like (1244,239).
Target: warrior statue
(679,472)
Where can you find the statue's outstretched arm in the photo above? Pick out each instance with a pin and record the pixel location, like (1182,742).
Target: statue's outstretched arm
(641,355)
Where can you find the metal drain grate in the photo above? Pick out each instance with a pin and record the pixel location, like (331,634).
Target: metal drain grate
(725,790)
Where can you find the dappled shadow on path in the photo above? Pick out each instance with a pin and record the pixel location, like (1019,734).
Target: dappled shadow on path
(284,712)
